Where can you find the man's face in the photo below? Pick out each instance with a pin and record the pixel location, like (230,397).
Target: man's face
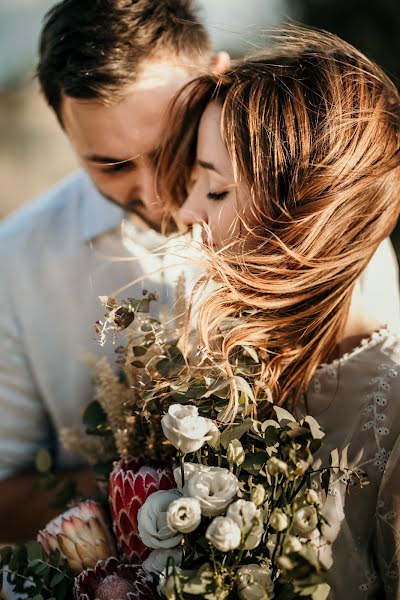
(118,144)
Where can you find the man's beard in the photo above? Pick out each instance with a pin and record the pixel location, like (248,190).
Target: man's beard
(135,207)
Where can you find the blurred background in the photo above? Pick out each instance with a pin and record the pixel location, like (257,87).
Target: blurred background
(34,153)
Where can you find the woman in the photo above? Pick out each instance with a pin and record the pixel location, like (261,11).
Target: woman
(292,161)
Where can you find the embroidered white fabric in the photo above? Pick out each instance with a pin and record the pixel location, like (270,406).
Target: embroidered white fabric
(356,400)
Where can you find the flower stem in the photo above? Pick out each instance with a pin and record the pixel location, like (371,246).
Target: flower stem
(182,462)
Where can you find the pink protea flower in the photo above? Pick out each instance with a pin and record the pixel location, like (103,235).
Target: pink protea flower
(131,483)
(81,534)
(111,579)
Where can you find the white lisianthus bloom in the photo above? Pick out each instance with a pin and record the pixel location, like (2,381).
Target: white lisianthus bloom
(224,534)
(278,520)
(250,520)
(305,521)
(152,520)
(254,583)
(157,560)
(185,429)
(184,515)
(214,487)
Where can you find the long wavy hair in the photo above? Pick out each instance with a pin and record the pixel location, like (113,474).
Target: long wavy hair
(312,128)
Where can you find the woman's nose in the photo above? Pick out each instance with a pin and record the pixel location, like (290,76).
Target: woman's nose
(193,210)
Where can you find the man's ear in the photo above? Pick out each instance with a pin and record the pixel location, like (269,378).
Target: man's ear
(221,63)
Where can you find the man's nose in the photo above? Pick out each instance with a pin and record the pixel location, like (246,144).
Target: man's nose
(148,187)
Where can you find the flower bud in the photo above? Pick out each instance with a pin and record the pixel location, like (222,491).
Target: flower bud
(312,497)
(258,494)
(278,520)
(235,453)
(275,466)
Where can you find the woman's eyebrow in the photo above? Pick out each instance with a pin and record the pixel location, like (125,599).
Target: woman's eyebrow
(207,165)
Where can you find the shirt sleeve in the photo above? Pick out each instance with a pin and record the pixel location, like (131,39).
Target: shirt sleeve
(23,420)
(388,526)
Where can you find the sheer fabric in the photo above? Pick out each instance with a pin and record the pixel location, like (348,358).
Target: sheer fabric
(356,400)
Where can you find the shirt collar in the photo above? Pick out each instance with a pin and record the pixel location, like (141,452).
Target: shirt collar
(98,215)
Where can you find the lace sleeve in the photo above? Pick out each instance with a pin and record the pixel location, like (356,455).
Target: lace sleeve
(388,526)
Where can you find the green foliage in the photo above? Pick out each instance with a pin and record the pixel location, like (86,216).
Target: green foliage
(28,570)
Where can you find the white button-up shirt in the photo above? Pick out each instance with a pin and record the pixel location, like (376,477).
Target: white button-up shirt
(57,256)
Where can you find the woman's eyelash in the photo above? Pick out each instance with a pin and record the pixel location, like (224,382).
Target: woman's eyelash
(215,196)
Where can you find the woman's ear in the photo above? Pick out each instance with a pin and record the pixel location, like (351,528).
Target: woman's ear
(221,63)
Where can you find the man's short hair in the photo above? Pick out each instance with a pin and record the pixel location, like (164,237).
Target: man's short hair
(94,48)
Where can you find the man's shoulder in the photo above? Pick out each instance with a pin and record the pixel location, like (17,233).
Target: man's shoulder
(59,206)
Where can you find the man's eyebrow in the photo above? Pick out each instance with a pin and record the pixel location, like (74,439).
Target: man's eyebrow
(207,165)
(108,160)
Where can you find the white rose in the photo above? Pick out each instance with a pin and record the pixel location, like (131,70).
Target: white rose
(152,520)
(213,487)
(278,520)
(184,515)
(254,583)
(305,521)
(250,520)
(185,429)
(224,534)
(157,560)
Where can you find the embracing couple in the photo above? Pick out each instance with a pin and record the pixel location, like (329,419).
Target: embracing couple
(291,162)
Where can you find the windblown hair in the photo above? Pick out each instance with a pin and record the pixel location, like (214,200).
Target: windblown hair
(95,48)
(313,130)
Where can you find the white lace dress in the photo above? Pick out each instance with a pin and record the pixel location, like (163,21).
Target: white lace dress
(356,400)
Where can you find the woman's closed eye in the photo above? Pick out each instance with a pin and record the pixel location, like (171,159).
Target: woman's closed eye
(217,195)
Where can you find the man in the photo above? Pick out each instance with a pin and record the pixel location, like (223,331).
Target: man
(108,69)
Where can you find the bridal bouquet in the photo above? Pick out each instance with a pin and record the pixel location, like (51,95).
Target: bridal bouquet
(192,504)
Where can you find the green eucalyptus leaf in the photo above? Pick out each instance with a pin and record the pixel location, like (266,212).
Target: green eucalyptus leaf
(59,576)
(61,589)
(138,364)
(253,463)
(220,384)
(94,415)
(283,415)
(235,432)
(139,351)
(5,555)
(315,429)
(34,550)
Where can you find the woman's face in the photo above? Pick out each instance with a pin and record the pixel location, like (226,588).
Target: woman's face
(215,199)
